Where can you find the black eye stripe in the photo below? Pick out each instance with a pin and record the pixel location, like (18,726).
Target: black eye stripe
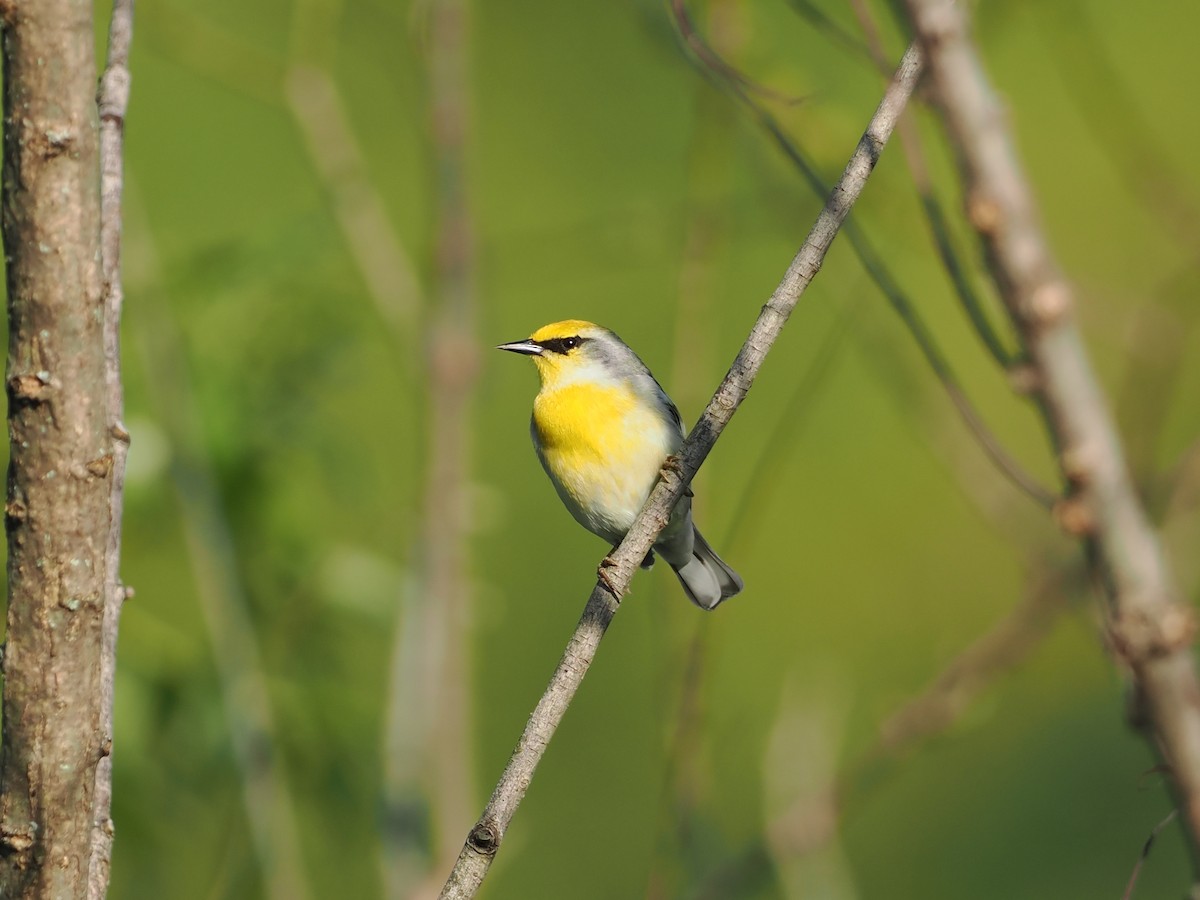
(561,345)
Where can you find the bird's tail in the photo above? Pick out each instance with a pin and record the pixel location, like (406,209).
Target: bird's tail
(706,578)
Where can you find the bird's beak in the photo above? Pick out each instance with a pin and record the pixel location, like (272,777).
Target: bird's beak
(529,348)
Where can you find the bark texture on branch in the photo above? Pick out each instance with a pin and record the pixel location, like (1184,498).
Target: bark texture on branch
(58,512)
(112,100)
(485,837)
(1151,630)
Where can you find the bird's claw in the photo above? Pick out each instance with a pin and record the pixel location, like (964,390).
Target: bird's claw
(602,574)
(673,465)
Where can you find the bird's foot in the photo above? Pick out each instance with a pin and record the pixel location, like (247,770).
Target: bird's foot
(602,573)
(673,465)
(648,562)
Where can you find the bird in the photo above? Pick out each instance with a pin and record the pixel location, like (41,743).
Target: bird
(603,428)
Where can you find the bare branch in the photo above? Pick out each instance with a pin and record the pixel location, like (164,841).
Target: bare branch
(63,501)
(1144,855)
(1151,630)
(452,368)
(823,23)
(112,102)
(485,838)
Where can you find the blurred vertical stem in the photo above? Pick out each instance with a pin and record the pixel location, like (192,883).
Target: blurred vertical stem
(63,504)
(426,761)
(909,136)
(439,613)
(266,799)
(1150,629)
(452,361)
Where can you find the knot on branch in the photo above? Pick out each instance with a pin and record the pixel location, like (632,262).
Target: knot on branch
(1074,516)
(1079,463)
(29,388)
(113,96)
(100,467)
(53,142)
(17,840)
(15,511)
(1142,636)
(484,838)
(984,213)
(1025,378)
(1048,304)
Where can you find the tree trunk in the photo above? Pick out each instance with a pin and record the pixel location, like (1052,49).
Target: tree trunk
(58,511)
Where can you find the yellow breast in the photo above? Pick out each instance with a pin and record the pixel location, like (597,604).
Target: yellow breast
(602,448)
(585,420)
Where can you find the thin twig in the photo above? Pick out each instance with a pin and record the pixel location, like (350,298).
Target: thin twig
(716,64)
(879,273)
(909,136)
(112,102)
(1144,855)
(452,364)
(485,838)
(1150,629)
(826,25)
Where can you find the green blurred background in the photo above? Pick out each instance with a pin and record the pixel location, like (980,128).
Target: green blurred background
(328,661)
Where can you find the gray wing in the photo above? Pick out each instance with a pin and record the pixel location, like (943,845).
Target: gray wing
(627,364)
(671,407)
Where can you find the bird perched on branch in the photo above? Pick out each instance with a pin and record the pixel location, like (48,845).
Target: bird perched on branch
(603,428)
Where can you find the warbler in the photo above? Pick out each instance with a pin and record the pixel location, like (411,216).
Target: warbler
(602,428)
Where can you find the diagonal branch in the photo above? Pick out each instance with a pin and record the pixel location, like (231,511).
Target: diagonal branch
(1150,629)
(485,837)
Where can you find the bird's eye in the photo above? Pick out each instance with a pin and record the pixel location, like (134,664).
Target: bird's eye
(570,343)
